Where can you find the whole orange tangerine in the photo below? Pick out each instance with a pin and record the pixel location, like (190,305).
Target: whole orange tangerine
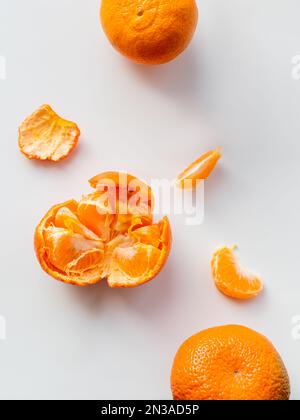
(229,363)
(149,31)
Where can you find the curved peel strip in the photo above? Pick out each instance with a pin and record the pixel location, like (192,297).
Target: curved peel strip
(82,243)
(199,170)
(46,136)
(230,279)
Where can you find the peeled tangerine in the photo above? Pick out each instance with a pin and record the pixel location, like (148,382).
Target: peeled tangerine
(199,170)
(46,136)
(109,234)
(231,279)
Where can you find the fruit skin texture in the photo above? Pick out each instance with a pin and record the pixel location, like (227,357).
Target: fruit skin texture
(149,31)
(229,363)
(44,135)
(230,279)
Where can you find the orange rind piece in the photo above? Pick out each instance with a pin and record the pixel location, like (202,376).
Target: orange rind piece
(199,170)
(46,136)
(231,279)
(109,234)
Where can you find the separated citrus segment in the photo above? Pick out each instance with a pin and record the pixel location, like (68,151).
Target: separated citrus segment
(199,170)
(148,235)
(229,363)
(149,31)
(52,259)
(95,215)
(104,236)
(71,252)
(141,259)
(231,279)
(65,218)
(46,136)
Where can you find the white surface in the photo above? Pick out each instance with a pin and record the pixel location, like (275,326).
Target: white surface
(235,79)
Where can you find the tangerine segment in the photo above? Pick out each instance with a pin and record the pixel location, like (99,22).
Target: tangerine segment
(231,279)
(125,190)
(46,136)
(94,215)
(50,252)
(71,252)
(65,218)
(150,235)
(110,209)
(143,258)
(82,243)
(229,363)
(199,170)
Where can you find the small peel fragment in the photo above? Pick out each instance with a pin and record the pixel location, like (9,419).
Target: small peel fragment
(199,170)
(44,135)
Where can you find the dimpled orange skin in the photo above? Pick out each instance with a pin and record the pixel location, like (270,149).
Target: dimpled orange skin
(229,363)
(149,31)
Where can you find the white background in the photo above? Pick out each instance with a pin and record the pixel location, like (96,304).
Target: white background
(235,82)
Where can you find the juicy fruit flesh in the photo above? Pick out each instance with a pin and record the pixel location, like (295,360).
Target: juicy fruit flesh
(137,259)
(199,170)
(74,248)
(71,252)
(231,279)
(101,237)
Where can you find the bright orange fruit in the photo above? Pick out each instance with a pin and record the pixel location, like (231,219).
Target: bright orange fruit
(109,234)
(149,31)
(199,170)
(231,279)
(46,136)
(229,363)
